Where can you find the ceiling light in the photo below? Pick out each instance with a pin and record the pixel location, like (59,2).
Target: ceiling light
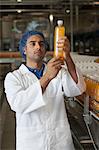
(19,11)
(67,11)
(19,1)
(51,17)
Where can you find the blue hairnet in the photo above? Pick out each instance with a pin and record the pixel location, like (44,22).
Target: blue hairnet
(24,38)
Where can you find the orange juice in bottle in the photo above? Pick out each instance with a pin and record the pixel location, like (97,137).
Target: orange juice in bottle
(59,32)
(97,92)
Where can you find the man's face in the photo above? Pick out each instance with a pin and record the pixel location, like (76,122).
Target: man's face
(35,48)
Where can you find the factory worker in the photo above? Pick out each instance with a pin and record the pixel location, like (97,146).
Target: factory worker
(36,91)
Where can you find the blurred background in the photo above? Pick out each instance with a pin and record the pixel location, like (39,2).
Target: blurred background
(81,17)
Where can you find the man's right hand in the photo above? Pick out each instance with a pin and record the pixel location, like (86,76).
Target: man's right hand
(53,67)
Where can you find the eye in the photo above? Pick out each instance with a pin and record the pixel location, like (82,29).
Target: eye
(42,44)
(33,43)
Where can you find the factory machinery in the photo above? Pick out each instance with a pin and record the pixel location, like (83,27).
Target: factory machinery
(86,106)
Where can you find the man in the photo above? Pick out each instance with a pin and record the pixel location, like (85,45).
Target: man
(36,91)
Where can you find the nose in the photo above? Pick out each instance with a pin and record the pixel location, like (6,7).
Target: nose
(38,45)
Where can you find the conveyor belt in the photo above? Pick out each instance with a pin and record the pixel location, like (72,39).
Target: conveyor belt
(79,130)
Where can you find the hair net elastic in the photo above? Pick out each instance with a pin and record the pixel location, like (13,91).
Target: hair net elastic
(24,38)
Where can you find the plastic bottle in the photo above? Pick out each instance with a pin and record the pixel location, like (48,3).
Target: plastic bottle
(59,32)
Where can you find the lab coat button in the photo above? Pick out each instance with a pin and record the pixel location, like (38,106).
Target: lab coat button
(34,70)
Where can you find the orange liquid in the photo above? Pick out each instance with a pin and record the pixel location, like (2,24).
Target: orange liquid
(59,32)
(92,88)
(97,92)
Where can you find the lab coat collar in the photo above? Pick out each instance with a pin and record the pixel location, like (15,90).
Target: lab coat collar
(25,70)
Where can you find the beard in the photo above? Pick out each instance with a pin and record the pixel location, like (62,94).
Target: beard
(35,58)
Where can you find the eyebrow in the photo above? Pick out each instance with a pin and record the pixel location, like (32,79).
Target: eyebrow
(35,41)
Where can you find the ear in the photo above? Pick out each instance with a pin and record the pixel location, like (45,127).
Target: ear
(24,50)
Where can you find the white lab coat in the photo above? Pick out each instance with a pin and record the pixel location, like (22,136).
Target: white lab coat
(41,120)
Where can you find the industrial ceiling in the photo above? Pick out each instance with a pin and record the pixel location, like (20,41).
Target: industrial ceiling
(46,6)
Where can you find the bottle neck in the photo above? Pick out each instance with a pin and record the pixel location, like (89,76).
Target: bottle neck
(60,25)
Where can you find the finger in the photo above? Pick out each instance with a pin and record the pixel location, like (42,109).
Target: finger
(61,45)
(65,47)
(58,63)
(63,38)
(63,42)
(58,67)
(54,59)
